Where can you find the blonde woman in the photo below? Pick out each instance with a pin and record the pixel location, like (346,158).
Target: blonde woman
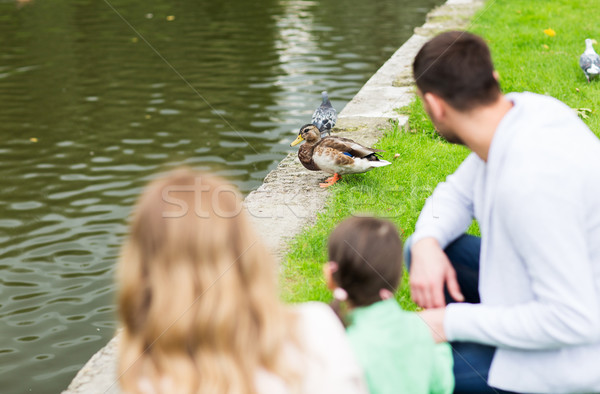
(199,304)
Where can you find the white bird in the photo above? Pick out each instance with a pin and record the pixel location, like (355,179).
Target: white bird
(590,61)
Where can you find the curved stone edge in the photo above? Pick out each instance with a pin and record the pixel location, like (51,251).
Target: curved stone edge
(290,198)
(99,374)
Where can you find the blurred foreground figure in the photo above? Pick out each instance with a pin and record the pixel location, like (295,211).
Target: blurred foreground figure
(393,346)
(200,308)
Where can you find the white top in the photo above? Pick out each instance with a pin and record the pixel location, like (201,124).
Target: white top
(327,362)
(537,201)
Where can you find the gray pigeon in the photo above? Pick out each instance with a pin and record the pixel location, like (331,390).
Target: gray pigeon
(324,116)
(590,61)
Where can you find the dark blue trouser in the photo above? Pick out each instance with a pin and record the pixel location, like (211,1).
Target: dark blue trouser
(471,360)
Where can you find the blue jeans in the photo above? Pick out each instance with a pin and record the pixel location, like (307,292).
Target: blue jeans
(471,360)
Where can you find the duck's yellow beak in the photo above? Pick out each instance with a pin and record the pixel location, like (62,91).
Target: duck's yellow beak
(298,140)
(594,42)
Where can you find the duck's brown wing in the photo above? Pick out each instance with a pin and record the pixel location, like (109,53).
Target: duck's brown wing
(347,145)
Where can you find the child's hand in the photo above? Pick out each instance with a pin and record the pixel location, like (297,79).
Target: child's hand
(430,269)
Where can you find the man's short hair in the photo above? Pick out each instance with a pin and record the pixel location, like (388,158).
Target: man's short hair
(457,66)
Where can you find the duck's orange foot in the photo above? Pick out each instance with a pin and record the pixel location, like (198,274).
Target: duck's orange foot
(331,180)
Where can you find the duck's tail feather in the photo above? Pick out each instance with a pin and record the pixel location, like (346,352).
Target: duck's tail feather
(375,156)
(380,163)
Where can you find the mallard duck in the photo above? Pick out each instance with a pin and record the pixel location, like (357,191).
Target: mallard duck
(334,155)
(324,116)
(590,61)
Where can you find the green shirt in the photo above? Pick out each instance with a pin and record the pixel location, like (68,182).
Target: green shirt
(397,352)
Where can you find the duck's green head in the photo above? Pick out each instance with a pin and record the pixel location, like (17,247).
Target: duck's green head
(309,133)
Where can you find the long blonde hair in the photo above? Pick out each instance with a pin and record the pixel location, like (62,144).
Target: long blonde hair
(198,298)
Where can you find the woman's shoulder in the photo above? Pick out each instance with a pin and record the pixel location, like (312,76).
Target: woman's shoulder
(327,358)
(315,309)
(316,321)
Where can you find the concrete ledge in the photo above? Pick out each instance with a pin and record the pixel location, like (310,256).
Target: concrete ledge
(99,374)
(290,197)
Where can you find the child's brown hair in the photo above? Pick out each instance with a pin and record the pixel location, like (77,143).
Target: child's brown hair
(368,255)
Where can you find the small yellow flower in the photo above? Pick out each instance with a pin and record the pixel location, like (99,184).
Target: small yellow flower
(171,18)
(134,40)
(33,139)
(550,32)
(546,46)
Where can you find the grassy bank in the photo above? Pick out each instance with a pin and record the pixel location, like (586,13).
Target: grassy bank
(526,57)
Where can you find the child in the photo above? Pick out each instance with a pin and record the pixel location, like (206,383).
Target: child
(395,347)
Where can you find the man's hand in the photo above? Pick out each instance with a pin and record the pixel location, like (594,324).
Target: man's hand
(434,318)
(429,270)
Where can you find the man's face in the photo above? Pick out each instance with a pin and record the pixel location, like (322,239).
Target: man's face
(445,130)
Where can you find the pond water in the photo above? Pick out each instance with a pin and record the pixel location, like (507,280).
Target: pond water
(96,97)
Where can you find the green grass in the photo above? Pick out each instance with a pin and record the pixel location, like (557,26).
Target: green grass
(396,192)
(526,58)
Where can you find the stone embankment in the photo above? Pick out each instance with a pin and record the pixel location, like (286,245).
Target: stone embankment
(290,198)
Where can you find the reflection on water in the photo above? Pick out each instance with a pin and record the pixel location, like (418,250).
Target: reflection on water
(89,112)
